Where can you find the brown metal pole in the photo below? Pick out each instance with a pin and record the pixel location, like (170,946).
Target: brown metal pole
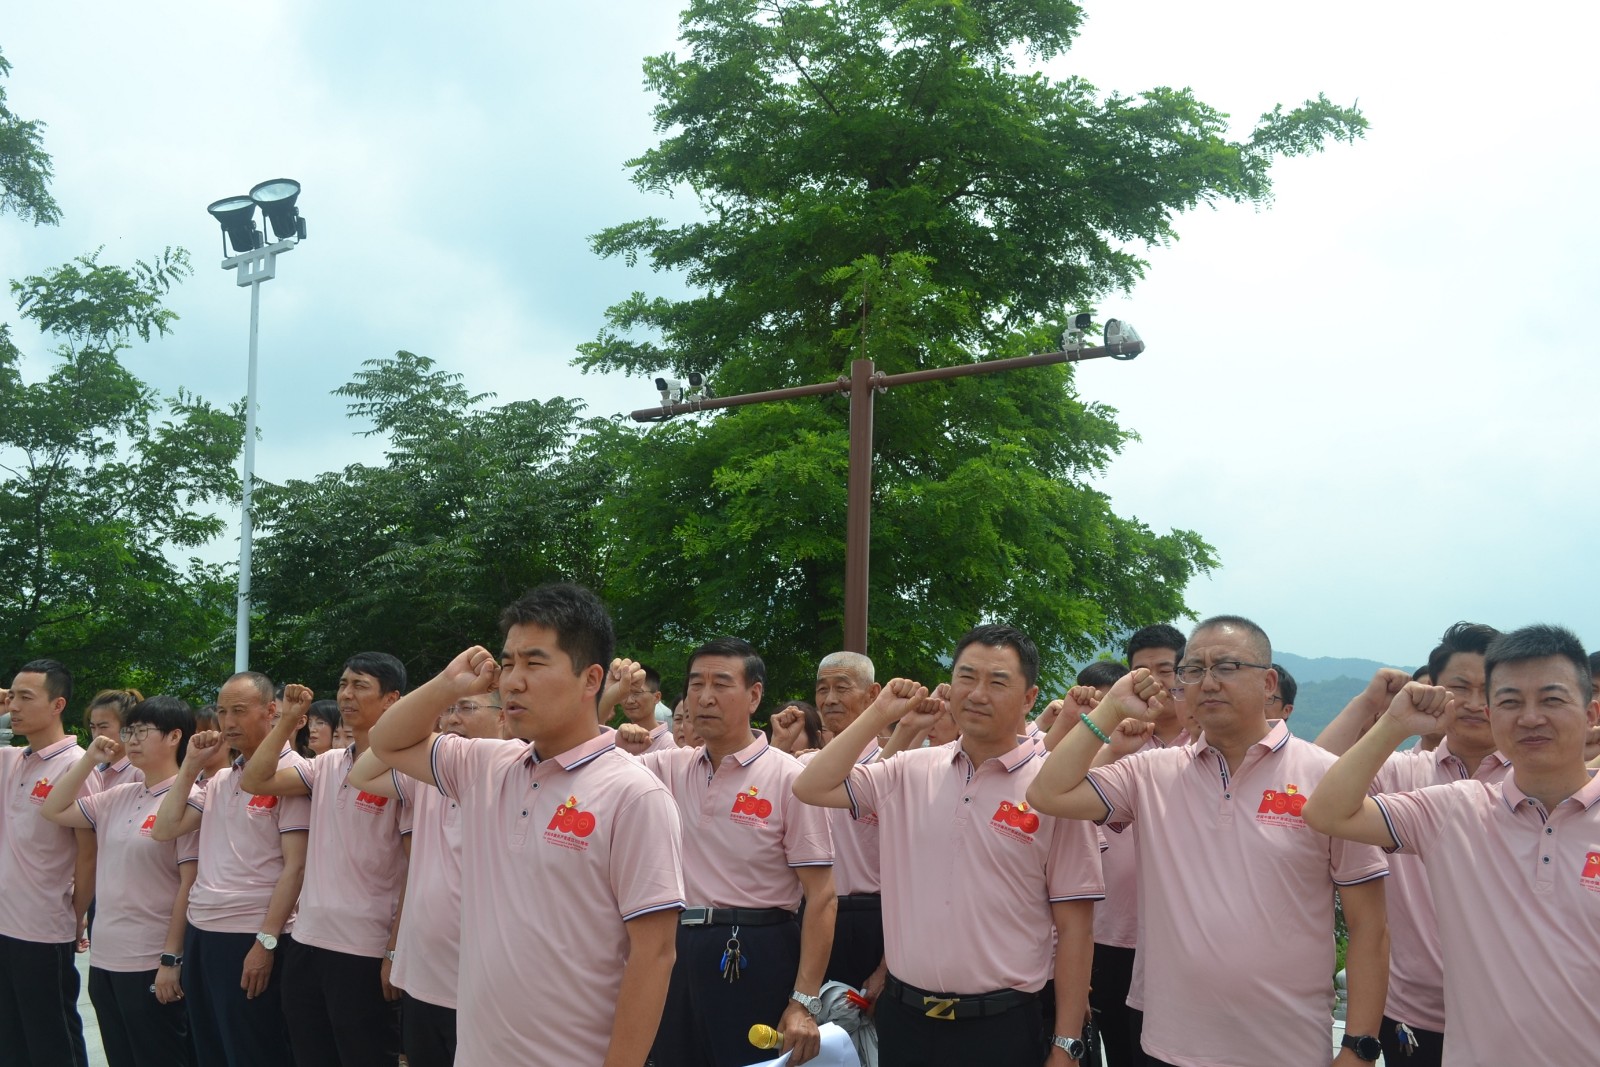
(858,514)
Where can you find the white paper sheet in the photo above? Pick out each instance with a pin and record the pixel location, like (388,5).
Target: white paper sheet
(837,1051)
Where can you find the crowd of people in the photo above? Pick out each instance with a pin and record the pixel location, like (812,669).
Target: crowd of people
(476,870)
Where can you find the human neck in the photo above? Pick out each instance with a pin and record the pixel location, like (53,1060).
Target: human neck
(1168,727)
(1234,741)
(361,742)
(46,737)
(1550,787)
(736,742)
(1468,753)
(646,719)
(978,751)
(577,728)
(160,770)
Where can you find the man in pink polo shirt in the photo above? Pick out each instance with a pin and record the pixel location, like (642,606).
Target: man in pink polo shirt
(570,873)
(1514,866)
(751,854)
(46,879)
(1413,1016)
(336,987)
(639,707)
(1235,890)
(974,880)
(138,945)
(241,908)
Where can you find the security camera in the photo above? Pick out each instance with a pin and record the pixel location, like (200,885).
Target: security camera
(671,390)
(1121,333)
(1072,339)
(698,386)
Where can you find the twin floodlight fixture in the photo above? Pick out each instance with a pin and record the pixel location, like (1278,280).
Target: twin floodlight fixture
(276,200)
(1117,333)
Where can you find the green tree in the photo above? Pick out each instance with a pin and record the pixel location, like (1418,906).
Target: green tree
(416,556)
(25,167)
(886,179)
(102,481)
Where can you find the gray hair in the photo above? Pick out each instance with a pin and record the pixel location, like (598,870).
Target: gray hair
(854,662)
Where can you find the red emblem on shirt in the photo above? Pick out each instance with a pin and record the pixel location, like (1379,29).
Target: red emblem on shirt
(570,825)
(1016,821)
(1282,807)
(41,789)
(261,805)
(1590,879)
(371,802)
(751,804)
(148,825)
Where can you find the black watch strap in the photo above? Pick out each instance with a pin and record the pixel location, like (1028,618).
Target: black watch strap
(1365,1046)
(169,959)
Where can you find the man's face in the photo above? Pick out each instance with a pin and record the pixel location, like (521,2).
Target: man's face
(1223,703)
(1468,728)
(32,709)
(842,697)
(1163,663)
(473,716)
(639,705)
(720,701)
(683,727)
(362,700)
(989,695)
(244,716)
(104,722)
(1538,715)
(538,687)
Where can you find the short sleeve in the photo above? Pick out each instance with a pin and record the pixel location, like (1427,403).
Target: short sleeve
(402,789)
(200,794)
(1415,817)
(294,813)
(1118,786)
(405,816)
(457,761)
(647,854)
(1072,870)
(869,784)
(807,838)
(90,806)
(189,848)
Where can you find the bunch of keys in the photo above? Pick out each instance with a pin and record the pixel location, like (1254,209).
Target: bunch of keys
(732,959)
(1407,1039)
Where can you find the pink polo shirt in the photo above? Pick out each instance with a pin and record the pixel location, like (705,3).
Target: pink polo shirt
(427,956)
(661,739)
(744,831)
(36,855)
(241,857)
(112,774)
(355,863)
(855,841)
(1517,895)
(969,872)
(137,875)
(1116,918)
(1416,966)
(556,856)
(1236,900)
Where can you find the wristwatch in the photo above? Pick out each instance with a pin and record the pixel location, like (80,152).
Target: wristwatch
(808,1002)
(1365,1047)
(1070,1045)
(388,954)
(169,959)
(267,941)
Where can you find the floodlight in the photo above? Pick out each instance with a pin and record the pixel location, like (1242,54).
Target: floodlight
(277,198)
(237,215)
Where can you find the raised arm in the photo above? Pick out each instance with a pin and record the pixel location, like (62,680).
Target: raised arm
(403,738)
(61,806)
(1362,711)
(1062,788)
(821,784)
(262,776)
(1339,805)
(371,775)
(175,817)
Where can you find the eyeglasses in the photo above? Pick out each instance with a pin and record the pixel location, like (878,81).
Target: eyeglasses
(1222,672)
(467,707)
(138,733)
(1274,699)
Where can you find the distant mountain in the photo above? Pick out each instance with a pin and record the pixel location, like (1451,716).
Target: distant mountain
(1327,684)
(1327,668)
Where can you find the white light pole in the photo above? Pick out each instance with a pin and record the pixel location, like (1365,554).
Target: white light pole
(255,264)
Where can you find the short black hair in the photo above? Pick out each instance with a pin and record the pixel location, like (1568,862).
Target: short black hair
(1461,637)
(1288,688)
(57,679)
(1541,642)
(387,669)
(1158,636)
(1103,673)
(326,710)
(1594,663)
(652,678)
(998,635)
(755,668)
(579,620)
(165,714)
(1239,622)
(1420,673)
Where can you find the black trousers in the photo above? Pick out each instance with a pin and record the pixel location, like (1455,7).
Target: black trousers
(39,1022)
(907,1037)
(857,941)
(136,1029)
(1108,999)
(707,1019)
(1428,1052)
(229,1029)
(427,1032)
(335,1001)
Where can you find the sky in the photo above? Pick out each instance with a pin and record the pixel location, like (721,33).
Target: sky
(1375,397)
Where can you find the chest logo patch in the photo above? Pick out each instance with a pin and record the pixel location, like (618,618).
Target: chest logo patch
(1016,821)
(261,805)
(1590,879)
(751,808)
(371,802)
(570,826)
(1282,807)
(41,790)
(148,825)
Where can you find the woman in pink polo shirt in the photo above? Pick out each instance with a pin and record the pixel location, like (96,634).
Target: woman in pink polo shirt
(144,887)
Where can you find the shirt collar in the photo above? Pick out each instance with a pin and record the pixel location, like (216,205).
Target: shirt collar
(573,758)
(160,787)
(745,756)
(1514,796)
(1442,752)
(1013,758)
(55,749)
(1276,737)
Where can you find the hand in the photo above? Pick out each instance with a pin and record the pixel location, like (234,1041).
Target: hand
(473,672)
(5,701)
(391,992)
(633,738)
(623,676)
(83,933)
(801,1038)
(1347,1056)
(789,730)
(202,746)
(872,988)
(1129,736)
(105,750)
(1382,689)
(257,971)
(1058,1058)
(1421,709)
(1137,695)
(295,703)
(168,989)
(1047,717)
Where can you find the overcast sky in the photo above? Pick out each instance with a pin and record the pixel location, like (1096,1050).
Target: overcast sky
(1376,398)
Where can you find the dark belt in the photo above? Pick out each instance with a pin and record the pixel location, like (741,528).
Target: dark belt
(734,916)
(861,902)
(949,1006)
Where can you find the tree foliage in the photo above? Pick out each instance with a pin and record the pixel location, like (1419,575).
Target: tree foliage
(416,556)
(888,180)
(25,167)
(103,481)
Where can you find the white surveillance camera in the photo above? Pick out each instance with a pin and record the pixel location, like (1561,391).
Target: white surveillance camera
(671,390)
(1121,333)
(1072,338)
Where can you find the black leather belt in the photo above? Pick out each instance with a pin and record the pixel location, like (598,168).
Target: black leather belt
(734,916)
(861,902)
(949,1006)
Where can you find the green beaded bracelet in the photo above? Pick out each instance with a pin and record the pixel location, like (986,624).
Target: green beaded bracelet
(1093,729)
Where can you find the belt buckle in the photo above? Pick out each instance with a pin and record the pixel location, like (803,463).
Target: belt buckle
(942,1007)
(694,917)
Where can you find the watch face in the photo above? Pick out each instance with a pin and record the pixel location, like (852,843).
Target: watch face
(1367,1048)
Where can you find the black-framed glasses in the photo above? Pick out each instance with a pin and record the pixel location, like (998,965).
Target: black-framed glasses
(138,733)
(1274,699)
(1222,672)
